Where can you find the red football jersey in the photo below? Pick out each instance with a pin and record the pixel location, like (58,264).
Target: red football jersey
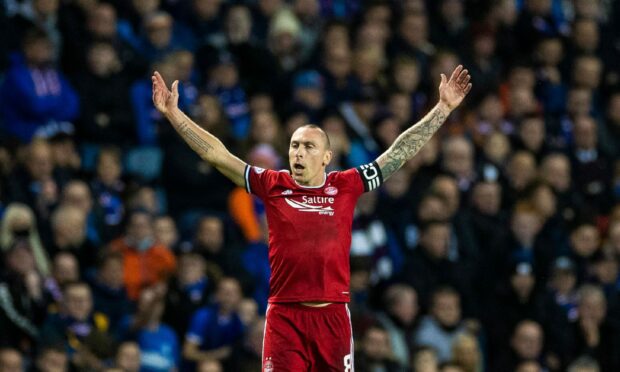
(310,231)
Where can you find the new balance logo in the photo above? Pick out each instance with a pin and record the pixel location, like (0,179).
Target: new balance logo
(307,207)
(287,192)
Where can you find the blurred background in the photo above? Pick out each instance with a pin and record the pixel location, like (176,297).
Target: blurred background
(495,249)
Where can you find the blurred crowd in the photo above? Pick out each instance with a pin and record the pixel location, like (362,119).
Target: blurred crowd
(497,248)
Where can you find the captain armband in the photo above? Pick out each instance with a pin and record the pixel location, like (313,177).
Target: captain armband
(371,176)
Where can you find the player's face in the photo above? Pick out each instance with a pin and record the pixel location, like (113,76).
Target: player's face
(308,156)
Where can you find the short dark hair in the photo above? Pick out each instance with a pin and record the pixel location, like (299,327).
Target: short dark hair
(56,348)
(106,256)
(444,291)
(34,35)
(72,284)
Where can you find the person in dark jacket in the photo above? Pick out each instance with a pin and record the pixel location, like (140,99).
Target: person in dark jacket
(109,294)
(428,266)
(106,116)
(376,352)
(22,303)
(593,333)
(189,290)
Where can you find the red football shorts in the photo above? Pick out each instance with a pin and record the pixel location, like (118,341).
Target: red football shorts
(300,338)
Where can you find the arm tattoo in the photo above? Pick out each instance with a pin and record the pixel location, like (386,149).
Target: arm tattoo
(194,140)
(410,142)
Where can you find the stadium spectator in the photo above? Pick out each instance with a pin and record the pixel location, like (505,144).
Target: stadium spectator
(158,343)
(165,231)
(214,329)
(592,333)
(370,238)
(36,180)
(466,353)
(212,242)
(77,193)
(36,97)
(51,359)
(69,235)
(106,116)
(189,290)
(102,25)
(563,288)
(526,344)
(247,354)
(19,224)
(23,306)
(161,34)
(40,14)
(376,352)
(424,359)
(400,319)
(65,269)
(78,328)
(513,302)
(591,168)
(107,188)
(139,249)
(128,356)
(224,84)
(442,326)
(525,243)
(584,243)
(11,360)
(204,18)
(428,266)
(108,287)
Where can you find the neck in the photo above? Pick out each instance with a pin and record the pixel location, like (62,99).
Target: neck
(152,324)
(317,180)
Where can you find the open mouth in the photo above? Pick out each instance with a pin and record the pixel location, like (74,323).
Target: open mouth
(298,167)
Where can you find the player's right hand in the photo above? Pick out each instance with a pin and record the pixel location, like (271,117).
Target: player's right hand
(164,100)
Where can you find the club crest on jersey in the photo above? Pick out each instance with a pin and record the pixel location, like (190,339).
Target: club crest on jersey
(268,365)
(331,190)
(313,204)
(259,170)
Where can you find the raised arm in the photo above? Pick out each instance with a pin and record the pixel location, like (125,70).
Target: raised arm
(451,94)
(209,147)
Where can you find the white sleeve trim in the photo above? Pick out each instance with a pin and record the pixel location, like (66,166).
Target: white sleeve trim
(247,179)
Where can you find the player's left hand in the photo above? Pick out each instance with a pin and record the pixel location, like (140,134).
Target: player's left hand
(453,91)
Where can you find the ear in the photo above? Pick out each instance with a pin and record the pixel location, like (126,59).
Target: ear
(327,158)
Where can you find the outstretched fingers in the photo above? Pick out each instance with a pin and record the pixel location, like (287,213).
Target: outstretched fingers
(464,81)
(159,78)
(462,77)
(457,71)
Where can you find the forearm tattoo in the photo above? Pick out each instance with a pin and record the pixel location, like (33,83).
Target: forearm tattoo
(410,142)
(194,140)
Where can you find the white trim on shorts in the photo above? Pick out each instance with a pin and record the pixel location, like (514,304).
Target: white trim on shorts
(262,352)
(346,306)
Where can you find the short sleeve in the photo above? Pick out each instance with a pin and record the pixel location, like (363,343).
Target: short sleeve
(370,175)
(259,181)
(197,327)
